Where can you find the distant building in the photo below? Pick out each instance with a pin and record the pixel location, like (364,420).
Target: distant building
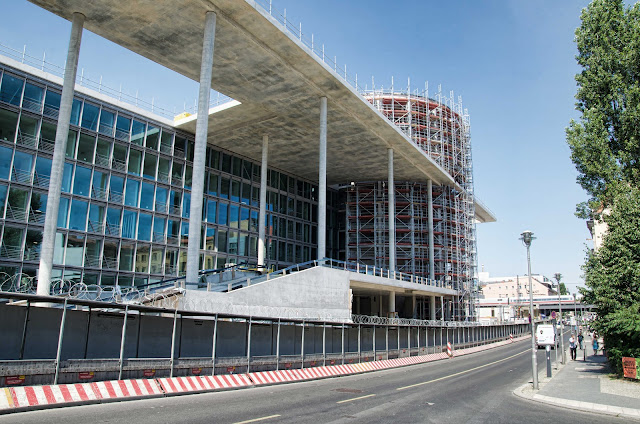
(506,298)
(598,229)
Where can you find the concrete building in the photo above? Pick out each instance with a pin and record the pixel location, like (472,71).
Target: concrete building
(514,287)
(99,192)
(598,229)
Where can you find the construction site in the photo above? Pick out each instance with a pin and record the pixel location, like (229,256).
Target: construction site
(434,225)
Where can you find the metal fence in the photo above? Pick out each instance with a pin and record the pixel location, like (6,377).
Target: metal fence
(62,339)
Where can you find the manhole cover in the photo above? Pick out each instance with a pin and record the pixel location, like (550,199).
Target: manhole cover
(348,390)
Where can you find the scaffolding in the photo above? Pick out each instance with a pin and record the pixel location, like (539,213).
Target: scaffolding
(440,127)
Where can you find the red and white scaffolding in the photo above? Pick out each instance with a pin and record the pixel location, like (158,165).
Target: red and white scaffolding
(440,127)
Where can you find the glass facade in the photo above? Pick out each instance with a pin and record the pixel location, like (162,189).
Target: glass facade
(126,193)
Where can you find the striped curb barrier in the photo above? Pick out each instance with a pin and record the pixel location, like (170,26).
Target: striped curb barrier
(22,398)
(173,385)
(34,396)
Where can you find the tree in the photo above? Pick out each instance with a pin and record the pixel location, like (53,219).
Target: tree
(605,143)
(612,275)
(563,289)
(605,148)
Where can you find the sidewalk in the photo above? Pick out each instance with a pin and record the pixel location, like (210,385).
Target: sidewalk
(585,386)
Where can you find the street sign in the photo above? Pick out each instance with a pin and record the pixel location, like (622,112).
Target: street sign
(630,367)
(553,314)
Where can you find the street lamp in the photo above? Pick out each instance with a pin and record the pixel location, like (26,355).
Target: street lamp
(558,276)
(527,237)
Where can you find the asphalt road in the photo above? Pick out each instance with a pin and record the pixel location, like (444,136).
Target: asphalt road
(470,389)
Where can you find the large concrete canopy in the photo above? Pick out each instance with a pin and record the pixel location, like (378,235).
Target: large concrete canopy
(275,77)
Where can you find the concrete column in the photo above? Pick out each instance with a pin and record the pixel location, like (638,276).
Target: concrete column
(413,305)
(57,165)
(392,301)
(442,307)
(392,213)
(433,308)
(262,214)
(322,182)
(200,151)
(432,267)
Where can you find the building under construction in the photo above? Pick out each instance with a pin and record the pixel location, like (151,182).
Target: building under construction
(434,225)
(339,202)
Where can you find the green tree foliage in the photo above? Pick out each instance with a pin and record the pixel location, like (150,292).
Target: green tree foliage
(612,276)
(563,289)
(605,147)
(605,143)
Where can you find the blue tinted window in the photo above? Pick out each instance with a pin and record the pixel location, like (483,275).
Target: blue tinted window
(78,215)
(146,197)
(211,211)
(3,196)
(131,194)
(117,185)
(90,117)
(5,162)
(184,234)
(32,98)
(222,216)
(144,227)
(106,122)
(137,132)
(186,205)
(233,216)
(161,199)
(43,168)
(158,225)
(129,219)
(153,134)
(11,89)
(113,217)
(8,122)
(173,228)
(51,104)
(122,127)
(81,183)
(21,165)
(212,187)
(75,112)
(63,209)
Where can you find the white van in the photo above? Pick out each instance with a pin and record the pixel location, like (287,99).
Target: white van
(545,336)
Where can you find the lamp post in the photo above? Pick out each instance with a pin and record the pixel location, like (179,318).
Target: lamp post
(575,313)
(558,277)
(527,237)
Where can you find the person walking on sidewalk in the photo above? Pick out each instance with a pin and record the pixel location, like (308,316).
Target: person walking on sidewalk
(595,345)
(572,347)
(580,339)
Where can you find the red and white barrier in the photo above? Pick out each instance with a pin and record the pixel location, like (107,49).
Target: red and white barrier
(19,397)
(126,388)
(203,383)
(34,396)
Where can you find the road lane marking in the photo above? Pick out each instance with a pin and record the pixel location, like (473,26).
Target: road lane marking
(461,372)
(255,420)
(357,398)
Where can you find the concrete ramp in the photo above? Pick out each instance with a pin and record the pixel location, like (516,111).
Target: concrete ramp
(317,293)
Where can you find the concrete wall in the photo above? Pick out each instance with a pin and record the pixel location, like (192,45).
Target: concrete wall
(317,293)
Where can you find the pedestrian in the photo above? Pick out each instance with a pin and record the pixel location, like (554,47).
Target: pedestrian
(580,339)
(572,347)
(595,345)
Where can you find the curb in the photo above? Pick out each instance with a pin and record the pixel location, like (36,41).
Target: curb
(525,391)
(13,399)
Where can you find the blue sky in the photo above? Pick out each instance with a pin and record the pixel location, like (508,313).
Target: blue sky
(511,61)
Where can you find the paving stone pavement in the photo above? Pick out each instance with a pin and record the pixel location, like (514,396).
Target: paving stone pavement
(586,385)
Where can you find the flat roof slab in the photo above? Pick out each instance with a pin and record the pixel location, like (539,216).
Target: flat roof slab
(266,69)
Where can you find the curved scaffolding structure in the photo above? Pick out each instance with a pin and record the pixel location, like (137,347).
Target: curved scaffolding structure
(440,127)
